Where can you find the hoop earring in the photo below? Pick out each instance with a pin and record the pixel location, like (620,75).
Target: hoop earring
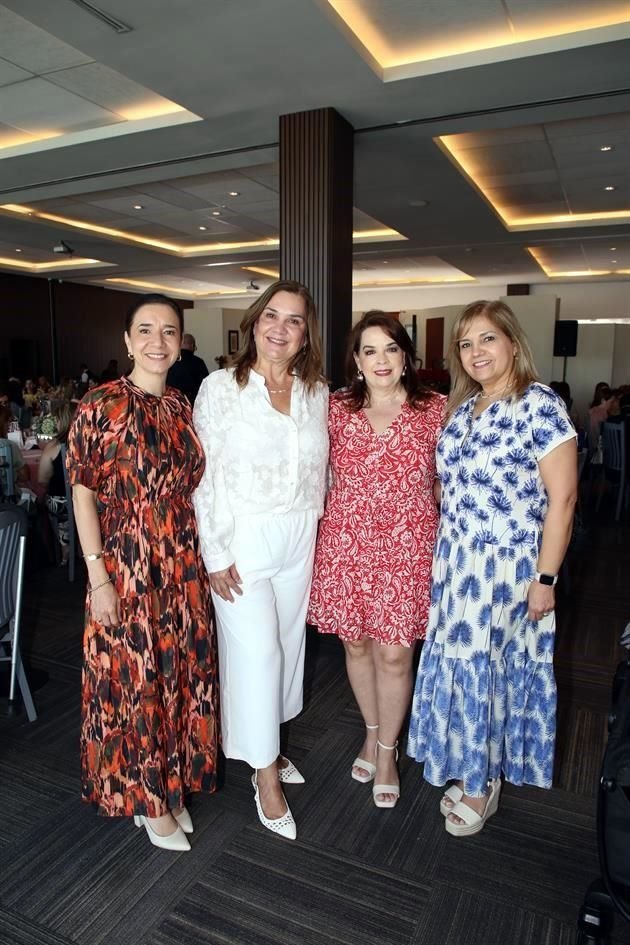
(359,374)
(130,356)
(180,356)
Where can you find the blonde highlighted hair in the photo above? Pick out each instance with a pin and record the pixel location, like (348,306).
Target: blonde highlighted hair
(503,318)
(307,363)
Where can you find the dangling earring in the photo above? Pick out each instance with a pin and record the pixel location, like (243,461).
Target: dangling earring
(180,356)
(404,370)
(130,356)
(359,374)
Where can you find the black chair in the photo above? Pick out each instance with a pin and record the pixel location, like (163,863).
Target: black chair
(610,893)
(13,529)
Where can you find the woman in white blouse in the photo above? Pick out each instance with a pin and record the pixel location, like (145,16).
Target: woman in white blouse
(263,426)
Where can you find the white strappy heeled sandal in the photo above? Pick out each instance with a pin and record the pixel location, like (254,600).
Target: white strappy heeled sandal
(366,765)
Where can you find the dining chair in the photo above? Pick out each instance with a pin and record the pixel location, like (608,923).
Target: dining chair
(614,460)
(13,529)
(7,470)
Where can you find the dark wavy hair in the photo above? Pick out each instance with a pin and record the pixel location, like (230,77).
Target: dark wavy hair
(307,363)
(154,298)
(357,395)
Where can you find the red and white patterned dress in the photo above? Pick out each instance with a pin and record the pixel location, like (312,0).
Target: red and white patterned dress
(375,545)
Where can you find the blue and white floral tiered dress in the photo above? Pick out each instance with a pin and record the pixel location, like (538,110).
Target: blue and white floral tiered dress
(485,693)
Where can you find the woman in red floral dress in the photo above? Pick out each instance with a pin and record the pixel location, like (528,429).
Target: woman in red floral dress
(375,545)
(149,713)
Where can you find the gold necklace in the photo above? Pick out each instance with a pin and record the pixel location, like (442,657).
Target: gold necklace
(484,396)
(278,390)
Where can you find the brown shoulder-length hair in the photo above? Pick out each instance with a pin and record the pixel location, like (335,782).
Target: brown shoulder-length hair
(503,318)
(307,363)
(357,394)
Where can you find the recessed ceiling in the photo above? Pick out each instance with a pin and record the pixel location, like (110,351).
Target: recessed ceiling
(196,205)
(52,95)
(554,175)
(422,38)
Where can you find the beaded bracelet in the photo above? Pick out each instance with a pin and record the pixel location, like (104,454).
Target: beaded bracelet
(96,587)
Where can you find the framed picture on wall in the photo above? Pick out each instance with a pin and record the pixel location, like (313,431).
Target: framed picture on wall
(233,338)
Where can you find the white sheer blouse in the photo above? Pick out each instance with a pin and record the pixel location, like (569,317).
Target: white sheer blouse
(258,460)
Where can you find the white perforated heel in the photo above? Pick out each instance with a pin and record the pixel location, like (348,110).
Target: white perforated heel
(284,826)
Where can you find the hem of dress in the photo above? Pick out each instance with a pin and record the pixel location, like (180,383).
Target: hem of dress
(345,638)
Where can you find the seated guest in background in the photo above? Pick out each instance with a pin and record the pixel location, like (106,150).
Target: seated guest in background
(375,545)
(189,370)
(111,372)
(20,473)
(598,413)
(149,715)
(50,473)
(262,424)
(485,696)
(30,394)
(43,386)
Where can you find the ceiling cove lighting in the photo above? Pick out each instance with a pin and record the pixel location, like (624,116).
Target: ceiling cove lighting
(174,290)
(74,263)
(457,155)
(389,283)
(603,321)
(399,59)
(263,272)
(384,234)
(537,253)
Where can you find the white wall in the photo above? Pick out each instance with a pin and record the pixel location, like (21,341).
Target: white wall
(205,322)
(592,363)
(621,356)
(537,315)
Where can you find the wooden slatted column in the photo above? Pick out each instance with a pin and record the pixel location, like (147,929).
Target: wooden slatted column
(316,178)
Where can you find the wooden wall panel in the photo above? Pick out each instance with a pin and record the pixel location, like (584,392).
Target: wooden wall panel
(316,188)
(89,321)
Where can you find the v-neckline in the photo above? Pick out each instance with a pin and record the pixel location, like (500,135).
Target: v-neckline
(389,426)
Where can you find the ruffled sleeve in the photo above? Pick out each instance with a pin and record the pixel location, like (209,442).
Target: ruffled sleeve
(215,521)
(549,421)
(85,456)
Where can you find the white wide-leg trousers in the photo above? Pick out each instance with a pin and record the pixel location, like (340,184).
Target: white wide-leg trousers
(261,635)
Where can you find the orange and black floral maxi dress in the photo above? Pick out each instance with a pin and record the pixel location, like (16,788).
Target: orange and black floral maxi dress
(149,700)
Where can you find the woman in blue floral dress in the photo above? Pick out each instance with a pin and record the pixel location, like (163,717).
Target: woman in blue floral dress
(485,696)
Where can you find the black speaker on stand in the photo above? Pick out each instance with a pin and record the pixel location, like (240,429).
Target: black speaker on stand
(565,337)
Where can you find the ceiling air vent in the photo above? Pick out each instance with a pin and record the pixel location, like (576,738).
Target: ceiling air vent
(114,24)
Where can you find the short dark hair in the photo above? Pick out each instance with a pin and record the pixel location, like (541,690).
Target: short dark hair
(153,298)
(356,395)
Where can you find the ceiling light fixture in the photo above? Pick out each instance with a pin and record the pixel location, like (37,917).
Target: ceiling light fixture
(613,248)
(138,206)
(384,234)
(606,147)
(18,250)
(203,227)
(216,213)
(610,187)
(234,193)
(614,261)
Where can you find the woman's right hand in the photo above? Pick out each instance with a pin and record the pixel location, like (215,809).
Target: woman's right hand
(105,605)
(225,582)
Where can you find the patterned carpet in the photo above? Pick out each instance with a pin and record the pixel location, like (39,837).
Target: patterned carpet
(356,874)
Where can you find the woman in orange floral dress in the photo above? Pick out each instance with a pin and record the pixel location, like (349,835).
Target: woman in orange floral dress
(149,717)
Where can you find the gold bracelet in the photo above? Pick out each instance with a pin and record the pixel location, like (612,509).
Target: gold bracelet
(96,586)
(94,556)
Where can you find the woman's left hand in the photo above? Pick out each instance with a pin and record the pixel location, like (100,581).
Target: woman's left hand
(541,600)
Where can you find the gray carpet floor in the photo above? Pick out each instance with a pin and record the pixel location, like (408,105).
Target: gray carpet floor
(356,874)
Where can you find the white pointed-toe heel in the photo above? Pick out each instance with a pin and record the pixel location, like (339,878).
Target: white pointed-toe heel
(173,841)
(368,766)
(284,826)
(289,774)
(184,820)
(386,788)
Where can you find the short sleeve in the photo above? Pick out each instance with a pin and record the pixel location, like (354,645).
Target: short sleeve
(85,458)
(550,422)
